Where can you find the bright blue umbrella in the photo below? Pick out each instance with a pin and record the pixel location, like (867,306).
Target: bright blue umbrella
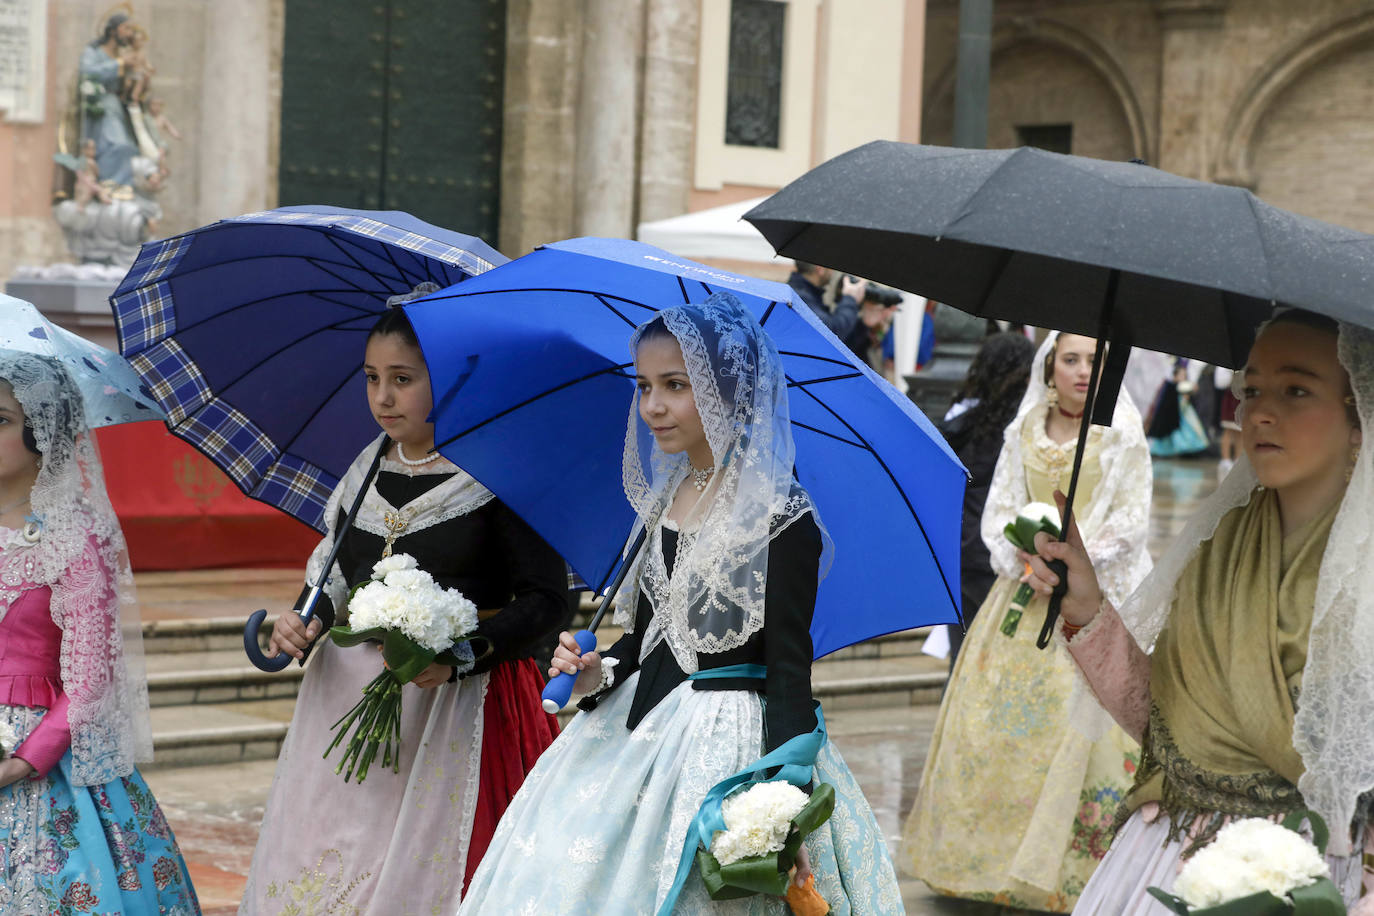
(111,391)
(533,379)
(250,331)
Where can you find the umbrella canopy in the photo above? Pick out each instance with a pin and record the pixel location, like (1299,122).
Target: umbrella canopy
(250,331)
(533,380)
(111,391)
(1034,236)
(1116,251)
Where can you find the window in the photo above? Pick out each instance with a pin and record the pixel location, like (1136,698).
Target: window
(1056,138)
(753,108)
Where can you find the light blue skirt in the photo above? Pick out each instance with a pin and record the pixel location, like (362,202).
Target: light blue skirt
(73,850)
(599,824)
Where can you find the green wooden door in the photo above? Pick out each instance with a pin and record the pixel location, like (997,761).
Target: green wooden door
(395,105)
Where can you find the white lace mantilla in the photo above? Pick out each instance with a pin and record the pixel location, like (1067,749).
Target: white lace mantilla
(459,495)
(72,543)
(714,599)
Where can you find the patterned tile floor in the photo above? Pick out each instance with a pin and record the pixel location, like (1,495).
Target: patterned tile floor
(216,810)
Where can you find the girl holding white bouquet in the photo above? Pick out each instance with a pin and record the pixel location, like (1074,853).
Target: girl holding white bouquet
(1244,662)
(407,837)
(713,674)
(1014,805)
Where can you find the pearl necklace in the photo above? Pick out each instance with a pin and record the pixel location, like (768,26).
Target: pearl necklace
(414,462)
(701,477)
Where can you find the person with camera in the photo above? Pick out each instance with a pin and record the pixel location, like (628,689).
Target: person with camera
(868,336)
(809,282)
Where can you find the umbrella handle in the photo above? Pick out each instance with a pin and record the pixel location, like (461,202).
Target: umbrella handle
(255,653)
(1060,569)
(558,691)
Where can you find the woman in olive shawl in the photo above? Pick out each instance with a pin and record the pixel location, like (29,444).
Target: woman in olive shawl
(1245,662)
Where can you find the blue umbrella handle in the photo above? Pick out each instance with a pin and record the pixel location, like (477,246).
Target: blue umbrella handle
(255,653)
(558,691)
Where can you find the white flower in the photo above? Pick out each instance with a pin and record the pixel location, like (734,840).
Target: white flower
(9,739)
(405,598)
(392,563)
(1038,511)
(1249,856)
(757,821)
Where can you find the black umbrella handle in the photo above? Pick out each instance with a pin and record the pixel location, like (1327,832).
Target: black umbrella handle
(262,661)
(1061,570)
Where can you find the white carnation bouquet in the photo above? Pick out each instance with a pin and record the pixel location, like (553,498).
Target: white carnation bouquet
(1256,867)
(418,622)
(764,828)
(9,740)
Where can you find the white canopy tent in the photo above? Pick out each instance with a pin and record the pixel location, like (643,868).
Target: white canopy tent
(720,234)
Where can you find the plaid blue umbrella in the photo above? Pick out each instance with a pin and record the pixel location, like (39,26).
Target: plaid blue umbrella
(532,380)
(111,392)
(249,333)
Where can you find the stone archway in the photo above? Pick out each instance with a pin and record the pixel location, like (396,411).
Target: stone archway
(1311,53)
(1071,49)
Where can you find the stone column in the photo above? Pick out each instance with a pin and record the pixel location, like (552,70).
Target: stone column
(1192,33)
(237,126)
(607,118)
(538,145)
(672,33)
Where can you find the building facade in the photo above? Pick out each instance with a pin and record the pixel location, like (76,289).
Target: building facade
(1271,95)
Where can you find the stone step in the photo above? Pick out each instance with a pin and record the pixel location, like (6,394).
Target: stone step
(252,728)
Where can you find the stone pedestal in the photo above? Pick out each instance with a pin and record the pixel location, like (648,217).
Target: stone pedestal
(76,297)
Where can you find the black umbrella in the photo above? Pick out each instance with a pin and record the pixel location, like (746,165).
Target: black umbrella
(1117,251)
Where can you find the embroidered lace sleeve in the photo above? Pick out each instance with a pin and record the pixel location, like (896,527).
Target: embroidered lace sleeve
(85,606)
(1118,537)
(1116,669)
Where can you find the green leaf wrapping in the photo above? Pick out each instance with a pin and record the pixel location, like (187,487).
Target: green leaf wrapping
(766,874)
(1321,834)
(1261,904)
(1022,532)
(404,656)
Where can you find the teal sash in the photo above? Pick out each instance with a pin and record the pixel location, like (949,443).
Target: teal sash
(794,760)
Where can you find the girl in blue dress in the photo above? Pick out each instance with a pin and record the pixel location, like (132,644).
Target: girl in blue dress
(725,584)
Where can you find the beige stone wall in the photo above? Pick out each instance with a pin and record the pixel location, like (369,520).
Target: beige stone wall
(219,74)
(1271,94)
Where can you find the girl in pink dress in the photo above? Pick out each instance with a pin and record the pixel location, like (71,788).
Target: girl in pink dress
(80,832)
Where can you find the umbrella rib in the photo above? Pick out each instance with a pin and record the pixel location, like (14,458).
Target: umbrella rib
(621,367)
(336,326)
(682,288)
(824,359)
(317,261)
(405,277)
(543,289)
(864,444)
(822,381)
(317,293)
(614,310)
(301,428)
(820,432)
(376,275)
(767,313)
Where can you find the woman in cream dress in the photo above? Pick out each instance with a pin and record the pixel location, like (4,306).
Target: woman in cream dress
(1015,807)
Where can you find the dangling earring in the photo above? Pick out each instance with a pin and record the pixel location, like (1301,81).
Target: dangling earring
(1354,457)
(1052,395)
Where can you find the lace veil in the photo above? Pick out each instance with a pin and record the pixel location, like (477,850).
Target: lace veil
(714,599)
(1115,528)
(73,544)
(1334,727)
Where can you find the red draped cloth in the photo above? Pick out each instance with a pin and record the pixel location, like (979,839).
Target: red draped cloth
(515,731)
(179,511)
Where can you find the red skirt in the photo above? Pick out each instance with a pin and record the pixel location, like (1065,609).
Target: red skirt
(515,731)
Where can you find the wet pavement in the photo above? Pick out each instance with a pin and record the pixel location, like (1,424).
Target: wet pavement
(215,810)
